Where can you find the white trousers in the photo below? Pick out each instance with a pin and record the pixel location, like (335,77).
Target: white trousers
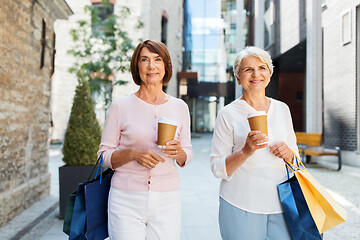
(147,215)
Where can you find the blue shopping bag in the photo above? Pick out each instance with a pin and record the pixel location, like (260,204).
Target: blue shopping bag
(96,202)
(297,214)
(89,217)
(296,211)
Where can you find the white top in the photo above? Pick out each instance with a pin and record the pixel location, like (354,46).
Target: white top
(253,186)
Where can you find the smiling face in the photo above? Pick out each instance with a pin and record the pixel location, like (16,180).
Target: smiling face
(151,67)
(253,75)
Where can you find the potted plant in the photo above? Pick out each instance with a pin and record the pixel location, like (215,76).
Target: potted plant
(101,49)
(81,142)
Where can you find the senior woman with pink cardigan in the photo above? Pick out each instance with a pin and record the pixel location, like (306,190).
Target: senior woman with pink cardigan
(144,199)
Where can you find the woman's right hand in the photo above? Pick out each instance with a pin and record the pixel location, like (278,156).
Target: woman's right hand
(253,142)
(238,158)
(147,158)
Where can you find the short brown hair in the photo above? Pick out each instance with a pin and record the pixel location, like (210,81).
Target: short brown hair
(154,47)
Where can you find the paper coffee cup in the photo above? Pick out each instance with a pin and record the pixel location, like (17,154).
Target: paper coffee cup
(166,130)
(258,121)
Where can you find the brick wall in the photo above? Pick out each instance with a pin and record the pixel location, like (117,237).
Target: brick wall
(24,102)
(339,77)
(290,25)
(339,64)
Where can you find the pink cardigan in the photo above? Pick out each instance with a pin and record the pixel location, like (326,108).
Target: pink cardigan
(131,122)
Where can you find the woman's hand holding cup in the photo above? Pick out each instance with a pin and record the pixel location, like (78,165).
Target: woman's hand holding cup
(172,149)
(254,141)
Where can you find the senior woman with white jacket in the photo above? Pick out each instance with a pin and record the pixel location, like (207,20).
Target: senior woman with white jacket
(250,163)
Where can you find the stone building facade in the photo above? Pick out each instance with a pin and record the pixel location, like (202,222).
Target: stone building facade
(26,65)
(163,20)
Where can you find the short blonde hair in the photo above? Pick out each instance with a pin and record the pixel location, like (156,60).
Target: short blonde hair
(256,52)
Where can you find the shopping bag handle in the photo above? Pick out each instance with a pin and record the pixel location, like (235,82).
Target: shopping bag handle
(293,167)
(99,167)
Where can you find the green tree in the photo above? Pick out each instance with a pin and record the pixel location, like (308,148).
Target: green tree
(83,133)
(102,49)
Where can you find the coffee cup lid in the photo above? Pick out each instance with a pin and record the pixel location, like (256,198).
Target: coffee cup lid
(167,121)
(254,114)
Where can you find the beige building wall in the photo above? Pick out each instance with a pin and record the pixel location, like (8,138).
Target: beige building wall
(150,13)
(25,101)
(64,83)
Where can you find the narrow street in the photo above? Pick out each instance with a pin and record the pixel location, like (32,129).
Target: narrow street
(199,200)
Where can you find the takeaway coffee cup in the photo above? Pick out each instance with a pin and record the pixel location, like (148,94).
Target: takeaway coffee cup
(166,130)
(258,121)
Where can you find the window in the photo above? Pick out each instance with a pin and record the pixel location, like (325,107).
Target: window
(267,4)
(346,28)
(53,54)
(269,23)
(323,5)
(164,26)
(102,12)
(43,44)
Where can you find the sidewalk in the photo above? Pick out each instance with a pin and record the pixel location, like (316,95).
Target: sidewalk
(199,201)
